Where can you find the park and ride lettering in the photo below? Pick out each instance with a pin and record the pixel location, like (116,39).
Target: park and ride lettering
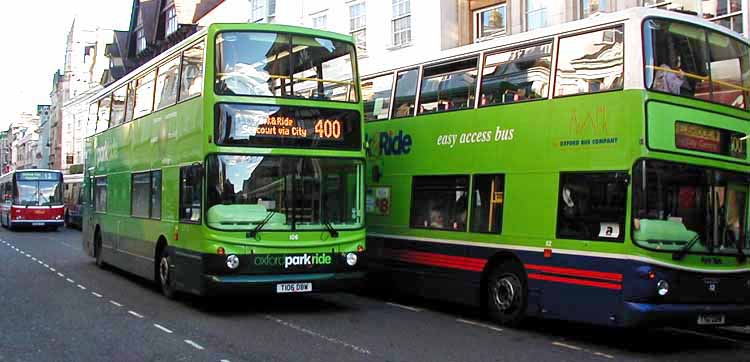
(293,260)
(499,135)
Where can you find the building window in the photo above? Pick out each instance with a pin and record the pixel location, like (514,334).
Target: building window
(591,206)
(262,11)
(490,22)
(691,6)
(439,202)
(401,22)
(170,21)
(140,40)
(593,7)
(536,14)
(727,13)
(357,25)
(191,186)
(320,21)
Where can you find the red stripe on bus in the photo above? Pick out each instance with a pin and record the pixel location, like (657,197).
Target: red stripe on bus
(439,260)
(615,277)
(588,283)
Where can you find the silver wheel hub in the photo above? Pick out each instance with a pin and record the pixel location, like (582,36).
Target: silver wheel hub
(504,293)
(164,270)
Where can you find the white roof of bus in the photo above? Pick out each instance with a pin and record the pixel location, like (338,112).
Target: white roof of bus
(632,14)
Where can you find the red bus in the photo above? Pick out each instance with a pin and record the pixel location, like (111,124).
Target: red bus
(32,198)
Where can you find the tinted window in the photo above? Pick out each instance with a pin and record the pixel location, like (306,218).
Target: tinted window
(156,194)
(144,95)
(167,83)
(192,72)
(439,202)
(103,118)
(590,62)
(487,203)
(449,86)
(689,61)
(100,194)
(591,206)
(376,92)
(516,75)
(130,105)
(118,105)
(139,201)
(406,93)
(191,183)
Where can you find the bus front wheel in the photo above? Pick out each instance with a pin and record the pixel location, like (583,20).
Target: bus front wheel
(166,277)
(507,293)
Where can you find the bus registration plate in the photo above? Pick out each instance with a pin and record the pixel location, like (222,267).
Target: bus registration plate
(293,287)
(710,319)
(37,224)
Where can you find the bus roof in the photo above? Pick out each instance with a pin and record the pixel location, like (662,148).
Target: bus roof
(633,14)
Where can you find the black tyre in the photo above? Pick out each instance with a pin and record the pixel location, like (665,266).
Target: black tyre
(66,220)
(507,294)
(165,274)
(98,250)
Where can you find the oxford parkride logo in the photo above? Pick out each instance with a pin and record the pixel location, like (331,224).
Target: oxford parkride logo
(390,143)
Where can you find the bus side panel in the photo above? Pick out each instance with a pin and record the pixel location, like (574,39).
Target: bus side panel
(571,287)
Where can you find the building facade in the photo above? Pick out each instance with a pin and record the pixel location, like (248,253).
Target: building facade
(42,156)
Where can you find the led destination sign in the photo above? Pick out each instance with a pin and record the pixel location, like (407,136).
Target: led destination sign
(38,176)
(695,137)
(283,126)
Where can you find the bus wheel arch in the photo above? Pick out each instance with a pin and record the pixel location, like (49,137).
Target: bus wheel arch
(163,272)
(504,289)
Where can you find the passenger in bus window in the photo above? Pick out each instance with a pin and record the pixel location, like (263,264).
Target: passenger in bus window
(669,78)
(437,219)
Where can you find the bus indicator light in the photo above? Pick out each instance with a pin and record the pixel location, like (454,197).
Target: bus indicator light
(547,253)
(220,251)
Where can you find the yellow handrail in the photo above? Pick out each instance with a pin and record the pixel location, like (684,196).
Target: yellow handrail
(699,77)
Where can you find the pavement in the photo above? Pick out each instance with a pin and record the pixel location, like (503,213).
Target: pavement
(56,305)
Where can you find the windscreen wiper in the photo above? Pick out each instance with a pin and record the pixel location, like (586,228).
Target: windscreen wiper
(329,227)
(680,254)
(254,232)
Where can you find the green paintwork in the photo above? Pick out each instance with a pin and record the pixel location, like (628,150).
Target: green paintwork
(595,132)
(180,135)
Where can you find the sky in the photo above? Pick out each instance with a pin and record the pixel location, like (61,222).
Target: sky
(33,46)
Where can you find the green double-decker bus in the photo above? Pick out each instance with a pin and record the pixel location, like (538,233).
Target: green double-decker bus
(595,171)
(232,162)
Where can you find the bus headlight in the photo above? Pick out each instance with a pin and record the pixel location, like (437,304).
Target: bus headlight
(662,287)
(351,259)
(233,261)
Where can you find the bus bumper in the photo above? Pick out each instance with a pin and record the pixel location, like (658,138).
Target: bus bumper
(267,284)
(646,314)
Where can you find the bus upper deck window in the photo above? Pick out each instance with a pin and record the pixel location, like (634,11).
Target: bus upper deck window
(448,86)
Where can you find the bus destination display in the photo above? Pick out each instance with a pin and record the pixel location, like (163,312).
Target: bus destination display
(283,126)
(695,137)
(38,176)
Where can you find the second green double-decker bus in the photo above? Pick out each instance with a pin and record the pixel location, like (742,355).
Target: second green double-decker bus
(231,162)
(594,171)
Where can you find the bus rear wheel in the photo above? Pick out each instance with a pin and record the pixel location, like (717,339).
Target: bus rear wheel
(507,293)
(166,277)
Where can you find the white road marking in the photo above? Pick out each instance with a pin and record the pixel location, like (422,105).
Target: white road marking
(135,314)
(81,287)
(478,324)
(604,355)
(52,269)
(40,262)
(34,259)
(115,303)
(96,294)
(413,309)
(162,328)
(732,340)
(70,280)
(318,335)
(224,360)
(196,345)
(61,275)
(570,346)
(46,265)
